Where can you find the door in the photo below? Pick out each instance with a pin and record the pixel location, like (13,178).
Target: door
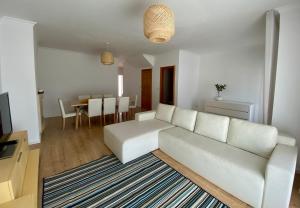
(146,91)
(167,83)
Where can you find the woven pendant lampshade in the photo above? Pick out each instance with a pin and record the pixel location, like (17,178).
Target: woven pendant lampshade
(159,23)
(107,58)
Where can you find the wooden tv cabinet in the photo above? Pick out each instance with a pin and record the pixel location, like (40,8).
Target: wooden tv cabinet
(19,175)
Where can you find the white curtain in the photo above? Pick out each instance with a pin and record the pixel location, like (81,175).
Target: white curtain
(271,52)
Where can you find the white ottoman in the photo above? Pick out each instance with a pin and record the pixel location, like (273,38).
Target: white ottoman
(132,139)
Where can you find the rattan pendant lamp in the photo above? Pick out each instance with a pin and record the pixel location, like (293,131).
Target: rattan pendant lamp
(159,23)
(107,57)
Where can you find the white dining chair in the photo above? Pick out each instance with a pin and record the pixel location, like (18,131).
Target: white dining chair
(94,109)
(133,106)
(109,108)
(97,96)
(65,115)
(123,108)
(108,95)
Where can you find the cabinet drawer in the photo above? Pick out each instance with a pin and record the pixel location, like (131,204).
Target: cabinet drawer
(17,174)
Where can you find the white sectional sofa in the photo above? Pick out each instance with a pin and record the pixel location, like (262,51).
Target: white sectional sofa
(248,160)
(132,139)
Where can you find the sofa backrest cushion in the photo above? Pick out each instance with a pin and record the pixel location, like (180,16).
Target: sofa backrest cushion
(212,126)
(184,118)
(165,112)
(256,138)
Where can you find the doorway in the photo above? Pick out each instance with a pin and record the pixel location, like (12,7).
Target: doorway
(167,83)
(146,91)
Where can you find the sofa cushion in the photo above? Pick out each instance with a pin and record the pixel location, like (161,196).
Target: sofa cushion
(212,126)
(165,112)
(236,171)
(143,116)
(132,139)
(256,138)
(184,118)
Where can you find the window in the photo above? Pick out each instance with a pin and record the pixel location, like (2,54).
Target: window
(120,85)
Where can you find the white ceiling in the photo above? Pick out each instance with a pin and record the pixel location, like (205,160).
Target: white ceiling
(85,25)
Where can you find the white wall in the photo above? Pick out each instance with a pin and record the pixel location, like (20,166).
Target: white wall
(18,74)
(132,76)
(188,79)
(67,74)
(0,56)
(241,69)
(132,82)
(286,109)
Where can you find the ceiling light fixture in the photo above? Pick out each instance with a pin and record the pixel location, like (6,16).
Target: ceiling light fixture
(107,57)
(159,23)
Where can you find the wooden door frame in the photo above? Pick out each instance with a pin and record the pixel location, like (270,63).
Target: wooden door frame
(161,82)
(150,69)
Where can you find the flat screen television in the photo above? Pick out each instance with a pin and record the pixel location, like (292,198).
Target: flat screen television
(5,118)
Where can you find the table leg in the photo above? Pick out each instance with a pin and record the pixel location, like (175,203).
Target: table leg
(77,117)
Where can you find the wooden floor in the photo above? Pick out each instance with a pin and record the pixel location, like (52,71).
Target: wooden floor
(63,150)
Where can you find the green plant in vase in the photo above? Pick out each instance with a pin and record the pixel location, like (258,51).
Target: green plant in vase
(220,88)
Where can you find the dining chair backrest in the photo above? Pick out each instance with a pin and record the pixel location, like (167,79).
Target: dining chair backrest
(97,96)
(61,106)
(95,107)
(108,95)
(123,104)
(134,103)
(84,97)
(109,106)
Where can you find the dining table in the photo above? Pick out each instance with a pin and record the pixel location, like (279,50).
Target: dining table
(77,105)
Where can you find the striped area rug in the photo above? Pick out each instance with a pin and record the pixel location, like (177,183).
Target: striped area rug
(106,182)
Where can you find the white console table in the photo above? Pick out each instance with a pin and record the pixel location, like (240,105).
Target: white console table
(241,110)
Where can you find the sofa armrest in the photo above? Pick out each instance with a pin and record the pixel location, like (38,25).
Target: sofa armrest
(286,139)
(148,115)
(279,176)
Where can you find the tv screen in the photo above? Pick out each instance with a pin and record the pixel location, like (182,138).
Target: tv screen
(5,119)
